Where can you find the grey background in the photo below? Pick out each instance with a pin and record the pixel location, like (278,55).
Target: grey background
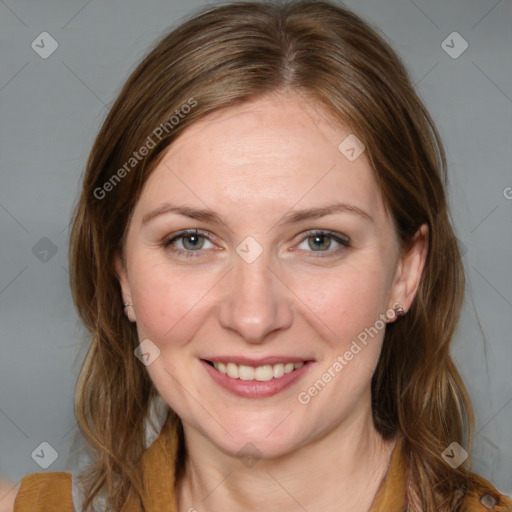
(52,108)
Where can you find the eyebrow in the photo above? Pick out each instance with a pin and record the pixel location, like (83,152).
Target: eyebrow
(293,217)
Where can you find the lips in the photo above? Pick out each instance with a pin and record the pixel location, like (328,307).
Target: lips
(256,378)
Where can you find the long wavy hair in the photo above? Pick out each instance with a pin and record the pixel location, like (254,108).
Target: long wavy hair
(225,56)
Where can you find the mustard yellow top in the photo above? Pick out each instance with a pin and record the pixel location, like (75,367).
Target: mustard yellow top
(51,492)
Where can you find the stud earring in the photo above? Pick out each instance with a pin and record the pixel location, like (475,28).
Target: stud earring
(399,310)
(130,314)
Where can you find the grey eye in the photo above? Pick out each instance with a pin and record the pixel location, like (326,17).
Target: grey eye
(193,241)
(321,242)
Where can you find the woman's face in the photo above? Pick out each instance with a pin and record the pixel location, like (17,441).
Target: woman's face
(270,279)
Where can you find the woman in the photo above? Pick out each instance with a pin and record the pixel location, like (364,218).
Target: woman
(263,245)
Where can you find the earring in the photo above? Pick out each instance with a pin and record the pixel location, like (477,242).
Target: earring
(399,310)
(129,312)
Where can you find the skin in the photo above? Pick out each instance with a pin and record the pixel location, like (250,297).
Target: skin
(252,164)
(8,491)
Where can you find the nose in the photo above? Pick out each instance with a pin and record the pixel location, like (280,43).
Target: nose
(257,302)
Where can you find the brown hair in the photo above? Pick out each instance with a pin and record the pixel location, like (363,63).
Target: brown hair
(222,57)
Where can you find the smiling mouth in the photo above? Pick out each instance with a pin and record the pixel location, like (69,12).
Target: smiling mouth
(262,373)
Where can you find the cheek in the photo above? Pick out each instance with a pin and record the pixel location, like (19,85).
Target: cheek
(346,300)
(350,314)
(167,299)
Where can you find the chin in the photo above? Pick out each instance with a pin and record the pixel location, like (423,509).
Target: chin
(268,439)
(246,447)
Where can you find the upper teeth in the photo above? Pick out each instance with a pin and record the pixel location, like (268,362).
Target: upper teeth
(260,373)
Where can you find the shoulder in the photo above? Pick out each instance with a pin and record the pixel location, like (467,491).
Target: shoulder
(482,496)
(8,490)
(40,492)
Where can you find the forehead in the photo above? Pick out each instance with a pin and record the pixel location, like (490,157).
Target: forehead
(265,155)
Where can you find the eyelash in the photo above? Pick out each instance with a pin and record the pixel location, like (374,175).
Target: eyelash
(344,242)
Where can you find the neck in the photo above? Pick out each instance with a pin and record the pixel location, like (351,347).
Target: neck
(340,471)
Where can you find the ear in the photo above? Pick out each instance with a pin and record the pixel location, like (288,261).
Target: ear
(410,268)
(125,287)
